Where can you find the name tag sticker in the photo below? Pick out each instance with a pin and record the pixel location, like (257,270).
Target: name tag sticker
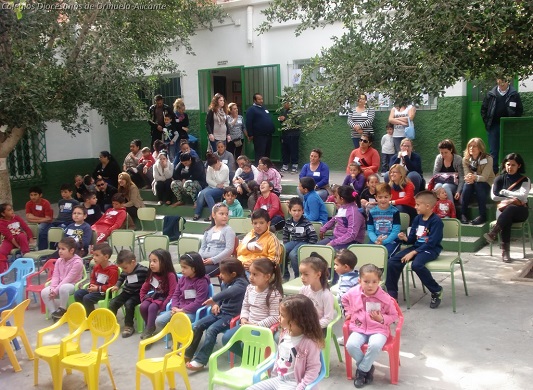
(90,212)
(317,174)
(299,230)
(373,306)
(372,200)
(14,225)
(225,162)
(402,194)
(38,207)
(154,282)
(230,213)
(190,294)
(264,207)
(420,230)
(356,160)
(67,206)
(132,278)
(483,161)
(512,104)
(102,278)
(113,212)
(365,114)
(267,111)
(341,213)
(70,232)
(215,236)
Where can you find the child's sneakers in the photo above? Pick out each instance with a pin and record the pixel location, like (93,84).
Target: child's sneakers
(148,332)
(436,298)
(127,332)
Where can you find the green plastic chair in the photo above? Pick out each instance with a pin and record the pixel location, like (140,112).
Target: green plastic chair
(327,252)
(55,234)
(188,244)
(331,208)
(146,216)
(331,336)
(371,254)
(241,225)
(445,263)
(258,345)
(522,227)
(154,241)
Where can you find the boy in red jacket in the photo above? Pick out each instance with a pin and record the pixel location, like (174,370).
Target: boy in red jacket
(112,219)
(104,276)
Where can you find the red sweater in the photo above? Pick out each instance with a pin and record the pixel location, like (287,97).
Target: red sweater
(270,204)
(404,197)
(13,227)
(111,220)
(104,277)
(444,208)
(41,210)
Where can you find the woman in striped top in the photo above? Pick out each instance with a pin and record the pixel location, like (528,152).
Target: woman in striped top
(360,119)
(261,300)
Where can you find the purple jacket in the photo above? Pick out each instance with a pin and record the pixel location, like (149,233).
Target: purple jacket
(190,305)
(358,183)
(307,364)
(348,225)
(355,302)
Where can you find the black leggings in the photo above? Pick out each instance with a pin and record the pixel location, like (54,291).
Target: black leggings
(511,214)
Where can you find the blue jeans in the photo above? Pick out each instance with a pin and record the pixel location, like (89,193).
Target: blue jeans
(397,142)
(450,189)
(392,247)
(375,343)
(395,267)
(213,325)
(482,191)
(164,318)
(207,195)
(493,135)
(291,249)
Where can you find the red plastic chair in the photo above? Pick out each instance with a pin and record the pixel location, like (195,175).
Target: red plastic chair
(392,347)
(48,267)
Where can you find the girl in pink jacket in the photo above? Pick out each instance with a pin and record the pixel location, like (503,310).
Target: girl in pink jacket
(297,361)
(370,311)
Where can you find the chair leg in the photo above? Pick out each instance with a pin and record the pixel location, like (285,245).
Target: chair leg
(337,347)
(327,357)
(183,372)
(453,290)
(394,363)
(36,371)
(407,295)
(463,275)
(11,355)
(171,380)
(26,343)
(111,375)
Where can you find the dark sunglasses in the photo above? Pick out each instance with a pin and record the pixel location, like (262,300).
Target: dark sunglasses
(365,141)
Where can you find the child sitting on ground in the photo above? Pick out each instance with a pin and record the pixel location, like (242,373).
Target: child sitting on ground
(314,207)
(370,312)
(230,200)
(444,208)
(384,222)
(425,237)
(270,202)
(103,277)
(131,279)
(224,306)
(267,172)
(16,232)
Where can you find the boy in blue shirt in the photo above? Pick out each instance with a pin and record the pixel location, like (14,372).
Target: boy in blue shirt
(425,237)
(384,224)
(314,207)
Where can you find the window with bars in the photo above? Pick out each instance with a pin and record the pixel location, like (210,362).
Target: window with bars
(26,161)
(169,87)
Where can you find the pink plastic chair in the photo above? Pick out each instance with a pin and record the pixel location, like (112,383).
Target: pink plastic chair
(392,347)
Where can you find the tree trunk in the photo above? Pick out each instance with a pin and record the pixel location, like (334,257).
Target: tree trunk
(7,144)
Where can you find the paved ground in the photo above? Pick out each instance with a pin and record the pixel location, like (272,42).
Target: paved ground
(486,344)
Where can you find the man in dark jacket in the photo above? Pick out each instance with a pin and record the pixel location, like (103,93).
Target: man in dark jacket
(259,127)
(157,112)
(501,101)
(104,193)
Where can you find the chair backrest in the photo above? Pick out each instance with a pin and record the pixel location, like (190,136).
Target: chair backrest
(122,238)
(240,225)
(55,234)
(181,329)
(371,254)
(327,252)
(74,316)
(147,217)
(188,244)
(103,325)
(23,268)
(285,208)
(317,226)
(258,344)
(154,241)
(11,296)
(399,324)
(47,268)
(452,229)
(330,208)
(405,219)
(17,313)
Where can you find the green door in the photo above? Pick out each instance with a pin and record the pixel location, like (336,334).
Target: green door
(265,80)
(475,92)
(205,94)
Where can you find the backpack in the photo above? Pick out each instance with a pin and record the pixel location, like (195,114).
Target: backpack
(172,226)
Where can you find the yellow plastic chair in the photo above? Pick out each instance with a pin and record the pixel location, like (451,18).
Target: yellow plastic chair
(74,317)
(9,332)
(327,252)
(104,330)
(156,368)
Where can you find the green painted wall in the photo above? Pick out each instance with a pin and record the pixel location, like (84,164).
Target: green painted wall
(56,173)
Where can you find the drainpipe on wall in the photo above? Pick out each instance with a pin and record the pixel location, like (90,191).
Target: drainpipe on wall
(249,24)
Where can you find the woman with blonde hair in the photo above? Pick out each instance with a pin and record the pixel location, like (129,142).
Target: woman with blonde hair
(182,125)
(402,190)
(479,176)
(236,129)
(215,122)
(130,191)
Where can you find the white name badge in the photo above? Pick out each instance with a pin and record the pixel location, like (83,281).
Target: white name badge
(402,194)
(365,114)
(70,232)
(373,306)
(230,213)
(420,230)
(113,212)
(102,278)
(267,112)
(264,207)
(154,282)
(14,225)
(372,200)
(299,230)
(341,213)
(356,160)
(317,174)
(132,278)
(189,294)
(215,236)
(38,207)
(90,212)
(483,161)
(67,206)
(443,207)
(512,104)
(225,162)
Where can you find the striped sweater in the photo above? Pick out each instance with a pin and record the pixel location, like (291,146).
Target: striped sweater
(301,230)
(256,310)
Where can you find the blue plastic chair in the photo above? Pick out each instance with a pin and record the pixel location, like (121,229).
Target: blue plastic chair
(11,294)
(269,364)
(22,268)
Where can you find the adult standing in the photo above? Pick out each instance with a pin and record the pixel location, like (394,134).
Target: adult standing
(361,119)
(215,122)
(260,128)
(189,178)
(163,170)
(511,189)
(398,117)
(319,171)
(479,176)
(108,168)
(237,130)
(104,194)
(500,102)
(365,156)
(410,161)
(448,170)
(157,112)
(290,139)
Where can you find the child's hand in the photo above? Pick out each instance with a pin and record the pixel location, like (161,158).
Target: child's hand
(321,235)
(348,316)
(114,288)
(92,288)
(376,316)
(244,321)
(408,257)
(209,302)
(402,236)
(172,142)
(215,309)
(176,310)
(52,294)
(15,243)
(208,261)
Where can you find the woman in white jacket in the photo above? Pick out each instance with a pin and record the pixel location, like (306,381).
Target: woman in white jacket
(217,177)
(163,170)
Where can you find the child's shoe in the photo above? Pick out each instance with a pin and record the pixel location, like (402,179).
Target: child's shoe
(148,332)
(127,332)
(436,298)
(370,375)
(56,315)
(294,168)
(360,378)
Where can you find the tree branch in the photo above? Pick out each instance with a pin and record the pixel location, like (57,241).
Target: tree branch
(11,141)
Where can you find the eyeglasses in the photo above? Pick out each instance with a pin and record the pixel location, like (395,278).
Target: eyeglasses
(365,141)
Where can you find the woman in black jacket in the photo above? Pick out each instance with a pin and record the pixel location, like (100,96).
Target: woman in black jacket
(188,178)
(107,169)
